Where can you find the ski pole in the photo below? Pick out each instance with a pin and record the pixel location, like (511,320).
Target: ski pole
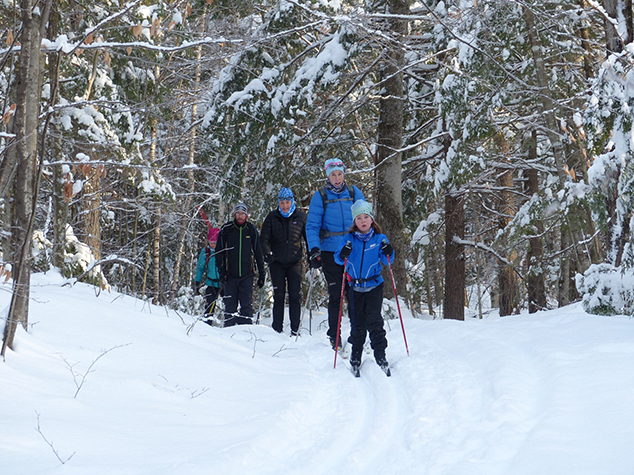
(397,304)
(308,301)
(310,309)
(257,317)
(343,286)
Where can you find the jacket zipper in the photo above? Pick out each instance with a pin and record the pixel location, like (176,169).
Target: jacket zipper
(240,254)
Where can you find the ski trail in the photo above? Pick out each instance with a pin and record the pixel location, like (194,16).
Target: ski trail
(364,416)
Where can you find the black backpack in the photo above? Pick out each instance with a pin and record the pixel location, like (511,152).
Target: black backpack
(323,234)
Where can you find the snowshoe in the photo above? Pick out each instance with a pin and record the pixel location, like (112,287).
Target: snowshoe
(384,365)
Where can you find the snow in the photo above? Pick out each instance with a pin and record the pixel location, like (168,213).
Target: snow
(118,386)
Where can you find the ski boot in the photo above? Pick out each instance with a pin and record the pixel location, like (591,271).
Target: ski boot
(384,365)
(355,367)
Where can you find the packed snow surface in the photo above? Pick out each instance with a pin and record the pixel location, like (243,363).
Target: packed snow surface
(107,384)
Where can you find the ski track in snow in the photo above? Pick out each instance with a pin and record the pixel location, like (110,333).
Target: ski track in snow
(511,396)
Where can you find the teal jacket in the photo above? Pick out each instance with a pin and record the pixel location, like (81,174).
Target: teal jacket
(206,259)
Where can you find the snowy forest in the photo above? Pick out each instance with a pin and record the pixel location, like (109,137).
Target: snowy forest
(493,138)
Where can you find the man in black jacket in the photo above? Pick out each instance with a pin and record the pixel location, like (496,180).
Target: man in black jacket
(237,247)
(282,238)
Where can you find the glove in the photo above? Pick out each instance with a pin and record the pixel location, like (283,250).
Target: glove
(268,258)
(346,250)
(314,258)
(223,278)
(261,281)
(387,248)
(196,287)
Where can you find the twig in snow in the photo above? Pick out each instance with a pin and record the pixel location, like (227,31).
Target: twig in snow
(50,444)
(80,379)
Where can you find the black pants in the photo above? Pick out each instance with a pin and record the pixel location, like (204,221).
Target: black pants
(333,273)
(285,277)
(211,294)
(238,290)
(368,319)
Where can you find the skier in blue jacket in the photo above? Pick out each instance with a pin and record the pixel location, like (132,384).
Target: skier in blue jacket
(206,266)
(364,251)
(329,218)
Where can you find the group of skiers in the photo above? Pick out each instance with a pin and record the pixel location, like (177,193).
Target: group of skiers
(342,239)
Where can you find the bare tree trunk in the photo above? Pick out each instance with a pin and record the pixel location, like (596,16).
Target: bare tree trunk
(508,281)
(190,173)
(25,128)
(535,275)
(552,128)
(92,204)
(156,259)
(389,202)
(454,258)
(619,11)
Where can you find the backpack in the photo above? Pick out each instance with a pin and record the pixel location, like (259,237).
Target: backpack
(325,200)
(323,234)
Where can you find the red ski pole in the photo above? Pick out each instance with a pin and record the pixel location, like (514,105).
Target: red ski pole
(397,304)
(343,286)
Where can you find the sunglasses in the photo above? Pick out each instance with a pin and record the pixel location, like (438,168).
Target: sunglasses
(335,164)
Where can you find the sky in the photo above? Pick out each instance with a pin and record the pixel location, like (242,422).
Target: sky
(103,383)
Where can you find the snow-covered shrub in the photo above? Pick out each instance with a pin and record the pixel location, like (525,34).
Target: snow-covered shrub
(607,290)
(78,259)
(40,249)
(189,303)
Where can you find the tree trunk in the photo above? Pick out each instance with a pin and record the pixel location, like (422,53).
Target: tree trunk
(92,206)
(190,174)
(508,281)
(535,276)
(549,107)
(454,258)
(388,198)
(620,12)
(156,259)
(25,128)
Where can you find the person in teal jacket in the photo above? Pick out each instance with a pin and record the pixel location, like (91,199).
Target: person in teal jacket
(206,266)
(363,251)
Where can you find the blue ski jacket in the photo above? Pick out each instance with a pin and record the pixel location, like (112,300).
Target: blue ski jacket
(365,261)
(324,228)
(207,259)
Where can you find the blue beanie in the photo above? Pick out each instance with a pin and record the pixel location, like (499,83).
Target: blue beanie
(333,164)
(361,207)
(285,194)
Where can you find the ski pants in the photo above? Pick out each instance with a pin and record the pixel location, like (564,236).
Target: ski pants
(368,319)
(285,277)
(238,290)
(211,294)
(333,273)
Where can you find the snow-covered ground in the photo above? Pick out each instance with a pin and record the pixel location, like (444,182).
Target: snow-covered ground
(106,384)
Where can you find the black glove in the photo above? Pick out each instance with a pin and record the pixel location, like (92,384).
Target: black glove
(314,258)
(387,248)
(268,258)
(223,278)
(261,280)
(196,287)
(346,250)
